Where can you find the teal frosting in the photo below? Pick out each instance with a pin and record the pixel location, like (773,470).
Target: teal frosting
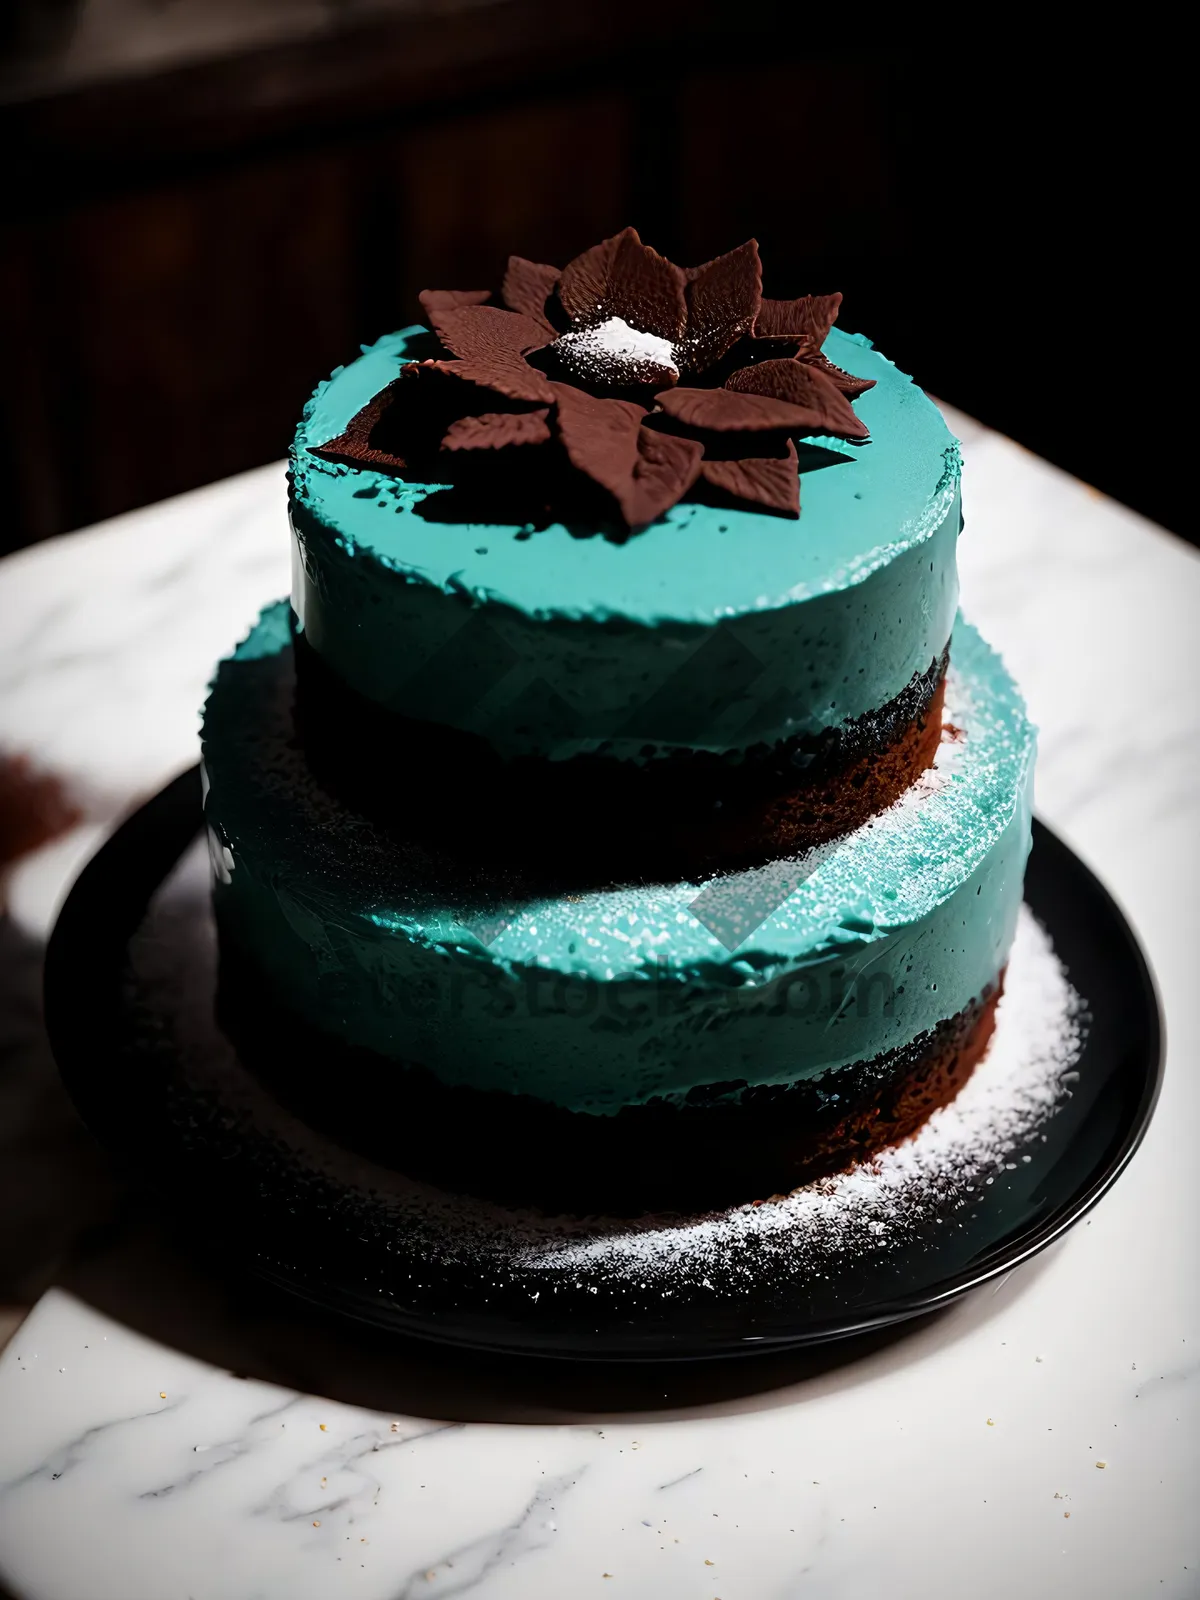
(619,995)
(712,629)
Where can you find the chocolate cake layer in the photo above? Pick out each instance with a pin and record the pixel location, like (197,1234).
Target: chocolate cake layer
(686,813)
(596,998)
(725,1144)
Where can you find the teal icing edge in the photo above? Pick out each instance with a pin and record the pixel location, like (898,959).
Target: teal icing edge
(959,832)
(480,1014)
(310,529)
(579,645)
(841,654)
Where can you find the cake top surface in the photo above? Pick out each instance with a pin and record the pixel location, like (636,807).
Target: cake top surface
(860,505)
(745,927)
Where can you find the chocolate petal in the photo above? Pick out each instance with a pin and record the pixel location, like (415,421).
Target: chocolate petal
(438,300)
(600,437)
(485,333)
(667,467)
(491,346)
(770,481)
(493,430)
(723,297)
(515,379)
(845,382)
(353,446)
(724,411)
(526,288)
(584,281)
(799,384)
(809,317)
(646,290)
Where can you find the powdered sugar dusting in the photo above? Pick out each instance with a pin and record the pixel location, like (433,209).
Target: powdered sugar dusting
(614,346)
(607,1268)
(1016,1088)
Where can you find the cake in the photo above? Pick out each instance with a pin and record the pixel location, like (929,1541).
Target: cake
(619,817)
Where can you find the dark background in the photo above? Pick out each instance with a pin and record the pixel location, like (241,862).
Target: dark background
(191,241)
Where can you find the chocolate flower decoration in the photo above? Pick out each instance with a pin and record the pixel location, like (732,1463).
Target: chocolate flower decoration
(622,376)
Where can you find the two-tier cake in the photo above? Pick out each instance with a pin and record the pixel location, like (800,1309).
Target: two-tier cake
(618,818)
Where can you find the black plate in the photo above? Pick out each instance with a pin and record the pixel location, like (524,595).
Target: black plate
(130,977)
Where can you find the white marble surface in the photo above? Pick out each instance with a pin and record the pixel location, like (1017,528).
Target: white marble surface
(959,1459)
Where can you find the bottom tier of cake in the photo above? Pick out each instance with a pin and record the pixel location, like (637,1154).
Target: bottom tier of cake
(707,1152)
(612,1048)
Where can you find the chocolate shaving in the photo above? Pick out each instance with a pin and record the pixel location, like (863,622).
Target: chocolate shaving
(563,360)
(516,381)
(799,384)
(491,346)
(645,289)
(723,298)
(769,481)
(485,333)
(809,317)
(493,430)
(584,282)
(845,382)
(599,436)
(353,447)
(666,468)
(526,288)
(725,410)
(35,807)
(435,301)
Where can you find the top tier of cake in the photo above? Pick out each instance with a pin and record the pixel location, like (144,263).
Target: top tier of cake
(713,629)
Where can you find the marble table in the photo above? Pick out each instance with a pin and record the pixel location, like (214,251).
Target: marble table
(172,1435)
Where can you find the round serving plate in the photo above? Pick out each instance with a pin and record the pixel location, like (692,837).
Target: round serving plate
(131,975)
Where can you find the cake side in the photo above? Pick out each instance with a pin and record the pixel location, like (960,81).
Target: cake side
(595,819)
(714,629)
(709,1151)
(606,998)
